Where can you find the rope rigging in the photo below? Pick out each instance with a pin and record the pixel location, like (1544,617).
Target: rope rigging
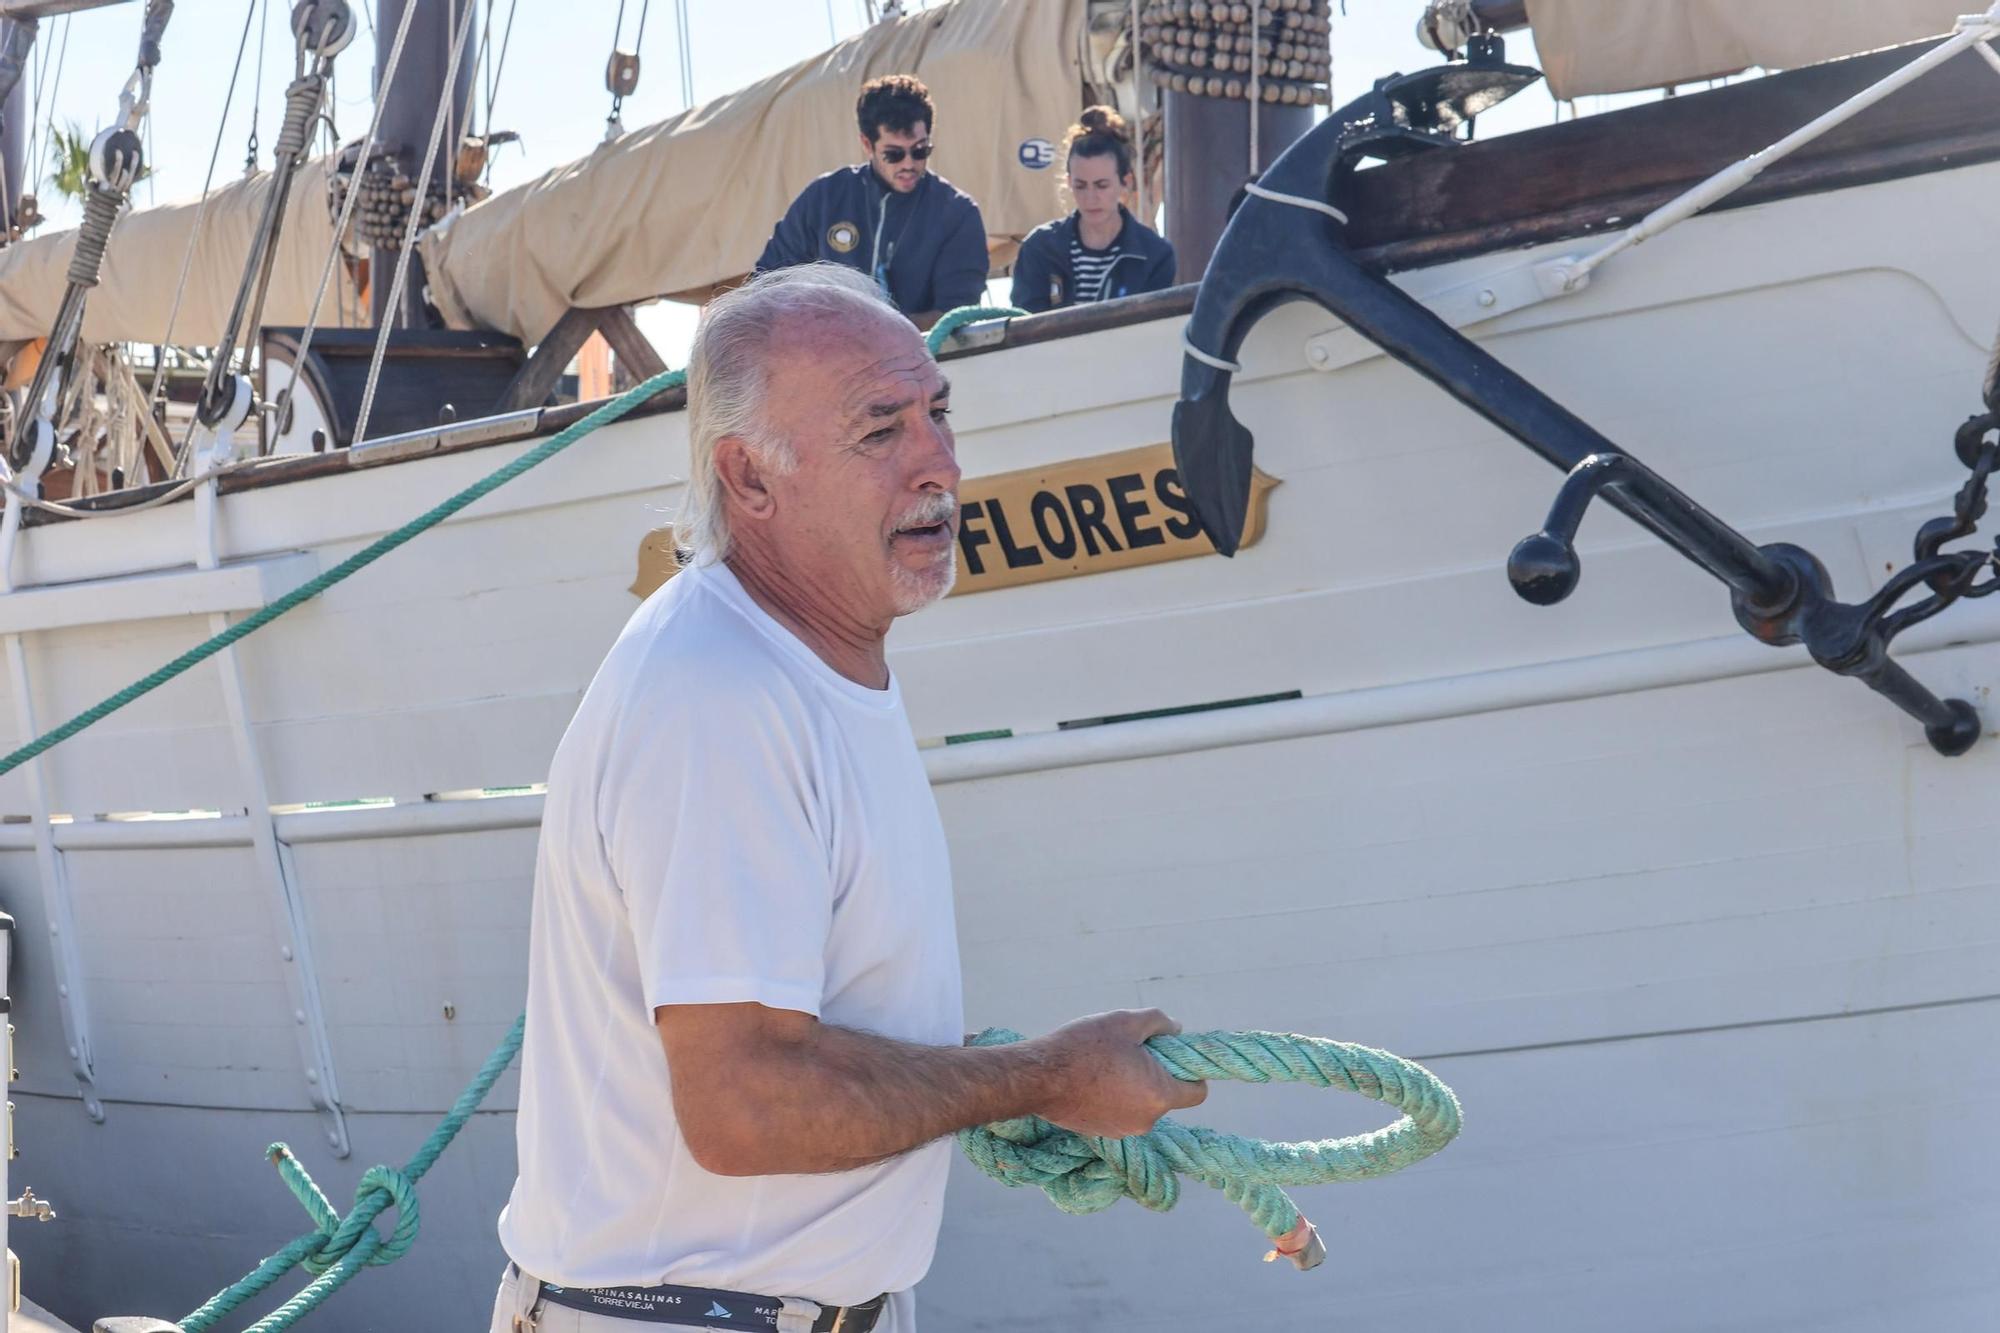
(256,94)
(687,52)
(347,206)
(201,206)
(42,81)
(621,71)
(499,65)
(321,30)
(116,160)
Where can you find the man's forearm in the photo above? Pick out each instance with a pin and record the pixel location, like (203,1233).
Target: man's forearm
(838,1099)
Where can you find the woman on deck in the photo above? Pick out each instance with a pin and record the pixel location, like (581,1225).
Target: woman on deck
(1100,250)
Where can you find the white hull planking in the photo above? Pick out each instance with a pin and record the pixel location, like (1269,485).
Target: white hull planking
(1707,941)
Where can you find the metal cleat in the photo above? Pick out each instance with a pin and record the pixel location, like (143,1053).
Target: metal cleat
(133,1323)
(41,1210)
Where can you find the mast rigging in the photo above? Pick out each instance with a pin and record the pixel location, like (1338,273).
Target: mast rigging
(117,158)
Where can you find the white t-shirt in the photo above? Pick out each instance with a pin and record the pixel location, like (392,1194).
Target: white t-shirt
(728,819)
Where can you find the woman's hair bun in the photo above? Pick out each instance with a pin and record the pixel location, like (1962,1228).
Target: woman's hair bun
(1103,120)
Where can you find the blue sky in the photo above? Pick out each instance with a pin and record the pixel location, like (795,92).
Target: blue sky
(551,87)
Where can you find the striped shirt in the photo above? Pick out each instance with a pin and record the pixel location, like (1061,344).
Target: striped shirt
(1090,267)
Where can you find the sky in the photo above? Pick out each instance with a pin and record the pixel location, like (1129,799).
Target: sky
(550,79)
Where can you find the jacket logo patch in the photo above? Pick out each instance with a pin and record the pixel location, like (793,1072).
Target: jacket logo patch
(1037,154)
(842,237)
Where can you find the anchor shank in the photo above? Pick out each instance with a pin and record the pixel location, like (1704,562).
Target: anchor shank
(1412,334)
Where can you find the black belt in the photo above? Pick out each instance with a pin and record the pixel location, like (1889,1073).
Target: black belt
(704,1307)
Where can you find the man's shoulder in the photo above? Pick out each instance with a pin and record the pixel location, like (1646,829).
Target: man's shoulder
(840,180)
(950,196)
(689,651)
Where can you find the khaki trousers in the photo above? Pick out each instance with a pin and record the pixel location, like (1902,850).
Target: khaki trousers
(515,1310)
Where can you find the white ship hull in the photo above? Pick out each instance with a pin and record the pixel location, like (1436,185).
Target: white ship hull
(1706,939)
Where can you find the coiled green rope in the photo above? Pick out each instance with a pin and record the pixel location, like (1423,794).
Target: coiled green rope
(1083,1174)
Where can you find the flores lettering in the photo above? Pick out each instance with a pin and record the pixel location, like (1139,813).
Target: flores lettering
(1080,516)
(1083,516)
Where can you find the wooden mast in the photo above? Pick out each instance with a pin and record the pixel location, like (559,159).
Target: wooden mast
(407,113)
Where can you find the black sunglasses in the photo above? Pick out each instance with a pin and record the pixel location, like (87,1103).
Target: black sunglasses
(892,154)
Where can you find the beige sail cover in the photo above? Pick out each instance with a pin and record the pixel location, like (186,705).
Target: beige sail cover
(1615,46)
(135,293)
(678,207)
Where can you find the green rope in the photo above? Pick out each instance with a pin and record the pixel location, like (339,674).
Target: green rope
(954,320)
(950,323)
(1083,1174)
(374,551)
(338,1248)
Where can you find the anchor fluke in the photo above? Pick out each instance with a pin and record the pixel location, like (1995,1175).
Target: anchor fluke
(1216,472)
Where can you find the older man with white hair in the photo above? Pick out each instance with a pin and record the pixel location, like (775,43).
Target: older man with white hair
(744,1047)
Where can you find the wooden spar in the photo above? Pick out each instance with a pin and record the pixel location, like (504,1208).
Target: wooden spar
(407,113)
(42,9)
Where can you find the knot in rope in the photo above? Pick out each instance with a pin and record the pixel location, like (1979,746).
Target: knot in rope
(302,103)
(1084,1174)
(380,1187)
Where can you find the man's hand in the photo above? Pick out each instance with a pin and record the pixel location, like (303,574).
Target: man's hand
(1105,1082)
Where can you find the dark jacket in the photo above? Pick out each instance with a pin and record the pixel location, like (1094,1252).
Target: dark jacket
(1043,279)
(931,241)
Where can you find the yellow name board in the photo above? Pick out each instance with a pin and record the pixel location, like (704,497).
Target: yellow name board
(1084,516)
(1079,516)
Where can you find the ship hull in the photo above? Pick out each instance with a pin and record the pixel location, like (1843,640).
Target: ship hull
(1705,938)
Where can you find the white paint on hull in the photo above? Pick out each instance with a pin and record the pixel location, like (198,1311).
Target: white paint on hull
(1706,941)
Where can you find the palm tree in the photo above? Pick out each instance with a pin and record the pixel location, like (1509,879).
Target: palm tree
(69,153)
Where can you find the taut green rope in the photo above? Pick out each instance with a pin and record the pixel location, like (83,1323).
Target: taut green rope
(1083,1174)
(950,323)
(336,1249)
(360,560)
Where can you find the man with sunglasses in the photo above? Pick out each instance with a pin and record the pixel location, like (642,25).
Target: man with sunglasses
(919,237)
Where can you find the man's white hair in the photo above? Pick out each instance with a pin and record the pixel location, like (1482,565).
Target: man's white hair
(728,375)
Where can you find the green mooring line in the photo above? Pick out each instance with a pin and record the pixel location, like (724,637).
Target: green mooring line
(355,563)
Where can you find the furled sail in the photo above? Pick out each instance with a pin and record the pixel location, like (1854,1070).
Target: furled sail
(676,208)
(135,298)
(1615,46)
